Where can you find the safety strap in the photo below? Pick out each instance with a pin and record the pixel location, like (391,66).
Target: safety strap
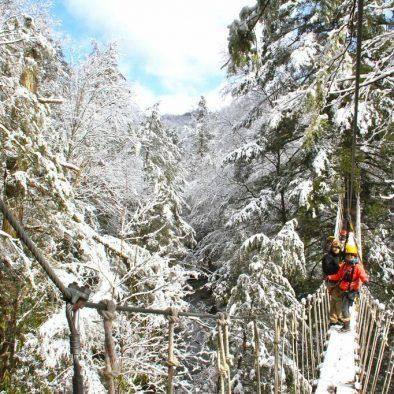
(351,277)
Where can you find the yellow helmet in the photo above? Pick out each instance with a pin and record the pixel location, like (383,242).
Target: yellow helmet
(351,249)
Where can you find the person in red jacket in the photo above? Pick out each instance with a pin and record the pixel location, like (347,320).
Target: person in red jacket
(349,278)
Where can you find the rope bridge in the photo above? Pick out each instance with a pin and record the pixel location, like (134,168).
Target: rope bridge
(302,334)
(300,342)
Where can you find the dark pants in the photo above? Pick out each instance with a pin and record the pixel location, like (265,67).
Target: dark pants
(347,301)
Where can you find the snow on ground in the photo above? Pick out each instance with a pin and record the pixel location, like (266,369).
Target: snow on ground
(338,369)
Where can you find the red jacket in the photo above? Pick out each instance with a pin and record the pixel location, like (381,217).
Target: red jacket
(346,271)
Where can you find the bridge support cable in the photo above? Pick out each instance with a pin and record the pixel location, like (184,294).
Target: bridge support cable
(34,250)
(360,8)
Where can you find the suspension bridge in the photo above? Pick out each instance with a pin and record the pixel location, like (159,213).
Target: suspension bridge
(317,358)
(309,356)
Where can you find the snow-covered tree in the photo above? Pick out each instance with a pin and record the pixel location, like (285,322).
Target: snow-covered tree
(298,58)
(158,224)
(202,133)
(33,329)
(95,134)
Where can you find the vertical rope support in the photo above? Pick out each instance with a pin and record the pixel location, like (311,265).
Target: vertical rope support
(366,345)
(304,345)
(111,364)
(316,331)
(282,350)
(382,348)
(75,348)
(276,354)
(229,359)
(327,314)
(257,355)
(308,346)
(320,321)
(359,333)
(363,327)
(223,368)
(172,362)
(293,349)
(373,349)
(358,226)
(314,361)
(389,375)
(323,315)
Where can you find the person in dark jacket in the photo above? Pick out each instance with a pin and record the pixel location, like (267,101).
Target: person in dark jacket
(331,260)
(330,265)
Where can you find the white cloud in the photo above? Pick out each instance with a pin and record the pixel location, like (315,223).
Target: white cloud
(179,102)
(180,43)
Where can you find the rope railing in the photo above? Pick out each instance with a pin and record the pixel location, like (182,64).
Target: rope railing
(375,343)
(300,341)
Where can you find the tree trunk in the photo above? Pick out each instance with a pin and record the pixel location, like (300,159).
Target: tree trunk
(14,193)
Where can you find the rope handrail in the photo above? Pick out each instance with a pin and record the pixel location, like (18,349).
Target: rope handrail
(374,331)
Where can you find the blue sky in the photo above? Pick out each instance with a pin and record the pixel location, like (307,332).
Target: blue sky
(171,51)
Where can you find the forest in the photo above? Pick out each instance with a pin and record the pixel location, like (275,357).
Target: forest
(211,211)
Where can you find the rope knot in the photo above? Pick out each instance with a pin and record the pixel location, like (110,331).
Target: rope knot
(173,362)
(114,373)
(173,316)
(109,313)
(224,369)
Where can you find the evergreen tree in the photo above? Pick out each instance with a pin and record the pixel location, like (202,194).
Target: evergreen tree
(34,339)
(158,224)
(299,57)
(203,134)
